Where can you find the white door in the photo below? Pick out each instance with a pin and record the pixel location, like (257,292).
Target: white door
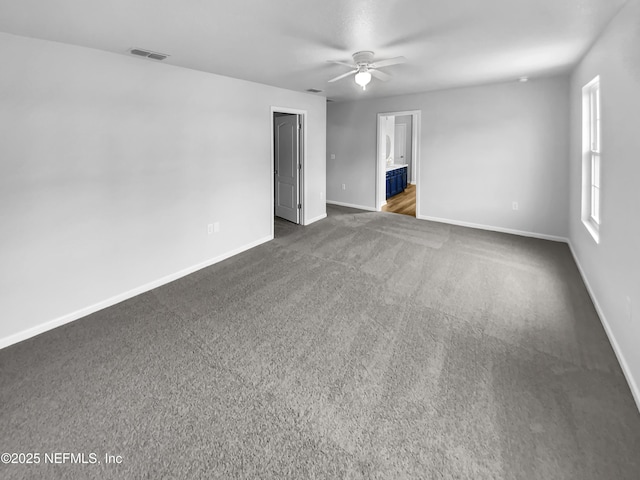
(286,130)
(400,153)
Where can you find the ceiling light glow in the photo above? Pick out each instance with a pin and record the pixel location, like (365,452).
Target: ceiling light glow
(363,77)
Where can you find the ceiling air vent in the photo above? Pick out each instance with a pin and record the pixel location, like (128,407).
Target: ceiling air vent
(146,53)
(313,90)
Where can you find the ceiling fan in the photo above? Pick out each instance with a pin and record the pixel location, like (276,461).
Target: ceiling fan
(364,68)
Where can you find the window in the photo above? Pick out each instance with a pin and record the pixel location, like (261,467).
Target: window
(591,147)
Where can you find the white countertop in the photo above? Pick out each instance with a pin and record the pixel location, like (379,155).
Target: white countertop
(394,167)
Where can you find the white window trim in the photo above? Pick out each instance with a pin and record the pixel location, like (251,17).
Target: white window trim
(591,148)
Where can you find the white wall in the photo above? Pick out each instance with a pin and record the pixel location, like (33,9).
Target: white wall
(612,267)
(112,166)
(481,149)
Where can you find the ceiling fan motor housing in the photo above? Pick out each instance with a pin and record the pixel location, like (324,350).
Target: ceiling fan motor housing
(363,58)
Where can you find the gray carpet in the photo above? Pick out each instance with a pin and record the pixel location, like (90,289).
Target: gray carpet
(367,345)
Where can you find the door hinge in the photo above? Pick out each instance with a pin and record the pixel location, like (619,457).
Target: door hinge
(299,205)
(299,126)
(299,166)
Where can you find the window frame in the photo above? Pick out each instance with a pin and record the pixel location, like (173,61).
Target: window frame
(592,157)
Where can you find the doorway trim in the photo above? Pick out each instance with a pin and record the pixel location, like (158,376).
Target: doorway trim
(303,158)
(416,116)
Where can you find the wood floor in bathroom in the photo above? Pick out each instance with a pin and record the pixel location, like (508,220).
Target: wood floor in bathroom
(404,203)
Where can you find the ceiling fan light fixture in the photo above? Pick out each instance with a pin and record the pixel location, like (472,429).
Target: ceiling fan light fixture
(364,68)
(363,77)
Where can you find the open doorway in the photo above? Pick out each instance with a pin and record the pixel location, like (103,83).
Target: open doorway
(288,154)
(398,155)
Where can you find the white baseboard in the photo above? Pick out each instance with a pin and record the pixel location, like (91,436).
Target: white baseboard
(315,219)
(542,236)
(83,312)
(633,386)
(350,205)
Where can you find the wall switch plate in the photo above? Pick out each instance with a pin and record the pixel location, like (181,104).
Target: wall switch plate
(210,228)
(514,205)
(333,156)
(344,186)
(216,227)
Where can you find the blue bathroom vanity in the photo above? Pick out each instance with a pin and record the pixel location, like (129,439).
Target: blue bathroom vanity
(396,179)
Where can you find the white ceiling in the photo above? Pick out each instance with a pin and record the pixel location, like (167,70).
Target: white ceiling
(287,43)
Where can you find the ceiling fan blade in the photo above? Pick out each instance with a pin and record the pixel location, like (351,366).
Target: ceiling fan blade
(388,62)
(379,75)
(341,63)
(344,75)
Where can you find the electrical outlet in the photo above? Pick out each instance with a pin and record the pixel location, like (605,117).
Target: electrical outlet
(514,205)
(333,156)
(216,227)
(344,186)
(210,228)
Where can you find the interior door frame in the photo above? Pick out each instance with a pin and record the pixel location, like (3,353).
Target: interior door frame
(416,117)
(303,158)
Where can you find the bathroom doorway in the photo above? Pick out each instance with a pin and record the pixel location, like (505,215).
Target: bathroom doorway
(398,154)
